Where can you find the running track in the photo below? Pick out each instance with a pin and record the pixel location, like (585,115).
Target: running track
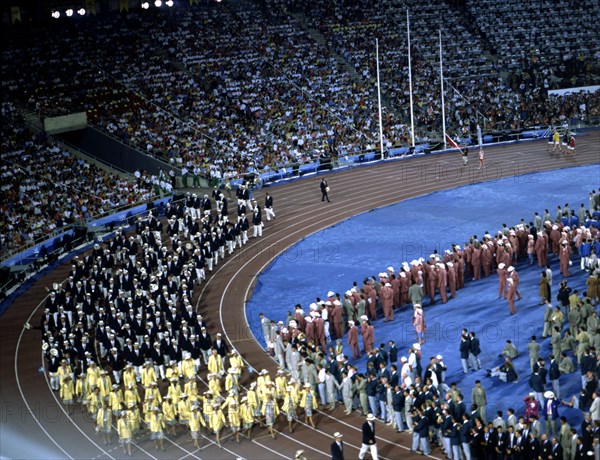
(31,412)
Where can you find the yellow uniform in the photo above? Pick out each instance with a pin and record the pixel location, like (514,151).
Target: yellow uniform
(92,376)
(67,391)
(314,404)
(191,390)
(131,395)
(233,415)
(183,408)
(252,401)
(115,400)
(133,419)
(172,373)
(148,376)
(174,392)
(263,386)
(214,385)
(296,393)
(217,420)
(104,420)
(280,386)
(188,368)
(129,377)
(246,415)
(94,402)
(63,371)
(207,409)
(196,421)
(236,362)
(215,364)
(229,401)
(169,412)
(147,409)
(155,392)
(289,405)
(82,390)
(124,430)
(105,385)
(231,382)
(157,425)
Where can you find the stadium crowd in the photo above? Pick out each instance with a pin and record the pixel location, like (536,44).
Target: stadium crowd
(123,339)
(255,91)
(475,58)
(46,189)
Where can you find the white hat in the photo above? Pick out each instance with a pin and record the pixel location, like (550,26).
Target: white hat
(549,395)
(370,417)
(501,265)
(438,357)
(403,359)
(511,269)
(338,435)
(330,294)
(417,346)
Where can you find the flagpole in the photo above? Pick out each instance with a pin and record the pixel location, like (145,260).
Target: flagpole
(379,98)
(442,92)
(412,120)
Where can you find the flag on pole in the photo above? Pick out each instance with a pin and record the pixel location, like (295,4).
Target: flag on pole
(90,7)
(452,143)
(15,14)
(123,5)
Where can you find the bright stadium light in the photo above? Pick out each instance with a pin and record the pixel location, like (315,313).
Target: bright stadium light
(169,3)
(81,11)
(56,14)
(157,3)
(145,5)
(69,12)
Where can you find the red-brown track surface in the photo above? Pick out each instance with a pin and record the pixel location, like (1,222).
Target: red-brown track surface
(32,417)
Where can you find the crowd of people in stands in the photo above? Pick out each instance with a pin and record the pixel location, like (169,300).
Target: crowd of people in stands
(256,91)
(46,189)
(475,56)
(123,339)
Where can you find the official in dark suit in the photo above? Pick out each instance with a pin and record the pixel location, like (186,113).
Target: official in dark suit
(368,438)
(337,447)
(324,190)
(557,449)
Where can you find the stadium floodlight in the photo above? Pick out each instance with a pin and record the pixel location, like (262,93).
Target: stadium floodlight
(81,11)
(158,3)
(69,12)
(56,14)
(145,5)
(169,3)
